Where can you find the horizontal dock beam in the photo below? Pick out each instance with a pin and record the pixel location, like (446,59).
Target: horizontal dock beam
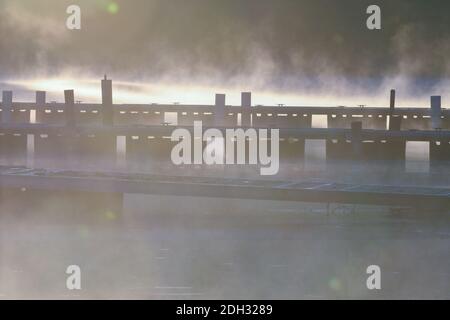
(166,131)
(312,110)
(303,191)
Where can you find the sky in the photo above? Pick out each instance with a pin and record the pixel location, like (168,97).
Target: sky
(286,51)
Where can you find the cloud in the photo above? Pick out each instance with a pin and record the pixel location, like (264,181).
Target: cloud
(302,45)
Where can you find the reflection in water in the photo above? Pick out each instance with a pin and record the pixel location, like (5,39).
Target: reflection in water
(166,247)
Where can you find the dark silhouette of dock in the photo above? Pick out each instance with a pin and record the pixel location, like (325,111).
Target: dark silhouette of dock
(352,132)
(88,134)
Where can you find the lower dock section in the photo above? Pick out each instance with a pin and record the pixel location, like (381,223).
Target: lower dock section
(62,205)
(104,191)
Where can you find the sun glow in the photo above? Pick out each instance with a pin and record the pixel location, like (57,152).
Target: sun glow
(127,92)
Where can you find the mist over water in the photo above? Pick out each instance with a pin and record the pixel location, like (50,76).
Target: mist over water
(164,247)
(302,52)
(194,248)
(297,52)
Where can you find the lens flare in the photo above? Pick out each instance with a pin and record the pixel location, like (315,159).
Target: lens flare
(113,8)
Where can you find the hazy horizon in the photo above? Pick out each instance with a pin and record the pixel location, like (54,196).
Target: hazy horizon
(298,53)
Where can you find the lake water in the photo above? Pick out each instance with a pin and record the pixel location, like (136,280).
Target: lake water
(198,248)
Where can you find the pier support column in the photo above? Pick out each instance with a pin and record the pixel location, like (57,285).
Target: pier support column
(392,103)
(395,123)
(6,106)
(439,155)
(357,140)
(246,104)
(338,150)
(395,151)
(392,122)
(107,102)
(219,112)
(40,106)
(436,121)
(96,152)
(13,147)
(69,108)
(292,151)
(138,153)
